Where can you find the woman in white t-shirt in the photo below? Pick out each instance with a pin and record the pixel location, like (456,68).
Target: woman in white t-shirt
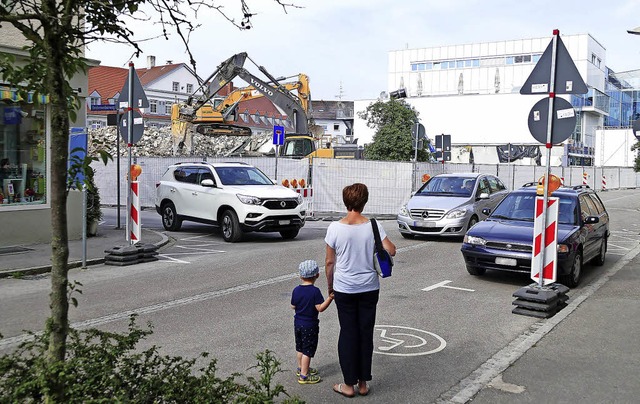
(354,282)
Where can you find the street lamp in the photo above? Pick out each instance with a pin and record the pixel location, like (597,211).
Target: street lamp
(635,31)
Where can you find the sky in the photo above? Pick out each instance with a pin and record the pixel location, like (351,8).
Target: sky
(343,45)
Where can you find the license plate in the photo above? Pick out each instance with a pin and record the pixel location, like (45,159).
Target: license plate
(506,261)
(283,222)
(425,224)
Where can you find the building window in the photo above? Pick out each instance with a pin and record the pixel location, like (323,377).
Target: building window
(336,126)
(189,88)
(95,100)
(153,106)
(176,86)
(22,154)
(95,124)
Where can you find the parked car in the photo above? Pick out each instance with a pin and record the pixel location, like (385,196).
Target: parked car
(450,204)
(235,196)
(504,241)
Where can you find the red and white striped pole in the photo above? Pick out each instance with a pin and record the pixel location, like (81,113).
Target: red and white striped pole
(549,267)
(604,182)
(134,218)
(584,178)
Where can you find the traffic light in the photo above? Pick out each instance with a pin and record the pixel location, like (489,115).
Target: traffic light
(401,93)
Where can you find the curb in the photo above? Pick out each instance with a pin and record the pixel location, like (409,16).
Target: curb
(38,270)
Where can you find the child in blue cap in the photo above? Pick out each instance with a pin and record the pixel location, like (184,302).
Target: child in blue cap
(307,301)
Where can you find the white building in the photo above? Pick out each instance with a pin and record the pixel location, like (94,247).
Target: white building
(471,92)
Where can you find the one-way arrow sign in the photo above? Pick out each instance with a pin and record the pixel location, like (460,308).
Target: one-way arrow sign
(568,79)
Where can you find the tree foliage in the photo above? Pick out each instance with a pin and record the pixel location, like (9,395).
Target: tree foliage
(636,148)
(392,120)
(105,367)
(56,33)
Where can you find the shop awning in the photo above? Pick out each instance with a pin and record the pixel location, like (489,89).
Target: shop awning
(12,95)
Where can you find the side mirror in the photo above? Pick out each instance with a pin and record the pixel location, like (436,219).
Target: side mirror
(591,220)
(483,195)
(486,211)
(207,183)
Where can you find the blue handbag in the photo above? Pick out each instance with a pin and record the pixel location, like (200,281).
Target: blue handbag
(382,261)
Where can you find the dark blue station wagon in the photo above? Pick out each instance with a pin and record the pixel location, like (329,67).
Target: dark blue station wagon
(504,241)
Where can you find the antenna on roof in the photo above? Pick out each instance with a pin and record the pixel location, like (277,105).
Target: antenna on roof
(340,92)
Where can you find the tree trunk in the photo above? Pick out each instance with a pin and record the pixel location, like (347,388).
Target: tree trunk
(57,88)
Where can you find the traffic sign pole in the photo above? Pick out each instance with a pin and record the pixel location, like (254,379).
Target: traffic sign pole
(552,88)
(129,144)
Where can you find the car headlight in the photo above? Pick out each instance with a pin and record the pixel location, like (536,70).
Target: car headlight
(456,214)
(473,240)
(300,199)
(249,200)
(403,211)
(563,248)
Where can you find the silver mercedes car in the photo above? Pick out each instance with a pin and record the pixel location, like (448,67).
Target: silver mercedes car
(450,204)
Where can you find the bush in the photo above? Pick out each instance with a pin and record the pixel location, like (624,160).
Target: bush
(105,367)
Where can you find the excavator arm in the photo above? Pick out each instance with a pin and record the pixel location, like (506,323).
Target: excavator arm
(214,120)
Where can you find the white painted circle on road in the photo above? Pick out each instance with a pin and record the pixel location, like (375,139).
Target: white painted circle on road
(397,340)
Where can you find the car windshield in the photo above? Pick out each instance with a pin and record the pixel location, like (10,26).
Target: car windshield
(458,186)
(242,176)
(521,206)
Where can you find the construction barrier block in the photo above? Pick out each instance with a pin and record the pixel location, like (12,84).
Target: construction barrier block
(123,250)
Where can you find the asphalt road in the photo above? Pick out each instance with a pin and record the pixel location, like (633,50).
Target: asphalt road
(436,324)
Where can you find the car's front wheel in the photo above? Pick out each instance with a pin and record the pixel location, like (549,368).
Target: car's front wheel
(170,219)
(476,271)
(572,279)
(599,260)
(231,231)
(472,221)
(289,234)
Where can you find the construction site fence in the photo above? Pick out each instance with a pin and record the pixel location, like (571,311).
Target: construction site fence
(390,183)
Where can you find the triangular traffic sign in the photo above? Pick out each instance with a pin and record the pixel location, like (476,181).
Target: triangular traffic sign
(568,79)
(139,97)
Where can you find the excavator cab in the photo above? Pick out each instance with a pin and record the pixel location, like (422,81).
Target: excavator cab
(297,146)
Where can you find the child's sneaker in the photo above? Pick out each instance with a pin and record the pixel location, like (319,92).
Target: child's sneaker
(310,379)
(312,372)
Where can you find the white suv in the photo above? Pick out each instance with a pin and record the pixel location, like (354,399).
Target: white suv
(235,196)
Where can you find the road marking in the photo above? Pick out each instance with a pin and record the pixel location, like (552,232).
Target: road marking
(168,258)
(397,339)
(443,284)
(95,322)
(10,341)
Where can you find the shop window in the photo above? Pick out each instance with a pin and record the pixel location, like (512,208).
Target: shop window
(22,154)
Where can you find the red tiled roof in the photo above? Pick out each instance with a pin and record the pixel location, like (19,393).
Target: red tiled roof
(108,81)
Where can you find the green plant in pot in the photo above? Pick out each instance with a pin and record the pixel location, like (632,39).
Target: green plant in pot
(81,175)
(94,214)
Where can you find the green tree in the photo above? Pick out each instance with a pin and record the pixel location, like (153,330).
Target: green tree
(636,166)
(392,120)
(56,33)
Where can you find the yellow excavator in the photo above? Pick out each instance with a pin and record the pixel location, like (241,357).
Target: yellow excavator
(218,118)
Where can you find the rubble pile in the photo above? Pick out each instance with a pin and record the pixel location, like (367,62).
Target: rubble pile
(159,142)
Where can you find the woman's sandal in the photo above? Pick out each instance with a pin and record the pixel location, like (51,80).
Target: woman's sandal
(338,389)
(366,390)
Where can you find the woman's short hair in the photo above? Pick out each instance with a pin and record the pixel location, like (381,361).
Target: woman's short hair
(355,196)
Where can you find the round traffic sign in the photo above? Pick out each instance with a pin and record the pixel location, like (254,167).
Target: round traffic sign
(138,127)
(564,120)
(636,128)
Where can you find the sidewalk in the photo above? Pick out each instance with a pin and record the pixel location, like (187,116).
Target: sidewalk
(36,258)
(587,353)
